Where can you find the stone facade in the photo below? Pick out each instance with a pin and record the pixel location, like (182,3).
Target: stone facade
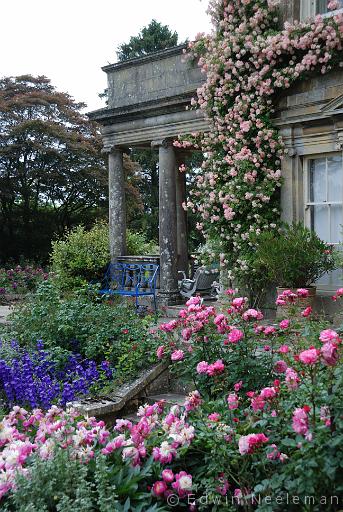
(147,106)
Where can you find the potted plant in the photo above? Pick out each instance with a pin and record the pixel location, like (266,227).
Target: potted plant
(294,258)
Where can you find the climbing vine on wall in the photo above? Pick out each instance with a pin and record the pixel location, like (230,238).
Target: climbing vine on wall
(246,61)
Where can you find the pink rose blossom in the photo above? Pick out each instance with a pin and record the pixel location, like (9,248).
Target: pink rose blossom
(160,352)
(233,401)
(307,311)
(177,355)
(159,488)
(280,366)
(329,353)
(309,356)
(248,444)
(235,335)
(183,483)
(328,335)
(300,421)
(214,416)
(284,324)
(168,475)
(202,367)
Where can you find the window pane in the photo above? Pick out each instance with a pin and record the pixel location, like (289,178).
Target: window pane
(320,221)
(321,6)
(335,178)
(336,223)
(317,180)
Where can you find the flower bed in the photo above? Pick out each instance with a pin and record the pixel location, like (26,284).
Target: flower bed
(251,439)
(36,379)
(19,280)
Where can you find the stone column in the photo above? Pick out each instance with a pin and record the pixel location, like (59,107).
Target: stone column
(181,218)
(116,199)
(167,223)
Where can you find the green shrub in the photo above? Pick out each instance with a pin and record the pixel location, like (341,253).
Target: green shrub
(95,328)
(82,255)
(294,258)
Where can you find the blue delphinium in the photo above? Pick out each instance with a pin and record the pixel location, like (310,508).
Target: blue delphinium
(34,379)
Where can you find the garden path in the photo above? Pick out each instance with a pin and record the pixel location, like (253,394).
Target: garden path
(4,312)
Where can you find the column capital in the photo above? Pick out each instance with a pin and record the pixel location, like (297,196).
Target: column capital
(164,143)
(114,149)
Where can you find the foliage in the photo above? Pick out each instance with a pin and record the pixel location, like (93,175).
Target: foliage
(97,329)
(225,448)
(153,37)
(21,279)
(36,379)
(51,168)
(247,61)
(83,255)
(292,258)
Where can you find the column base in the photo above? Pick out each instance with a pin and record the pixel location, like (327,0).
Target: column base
(169,298)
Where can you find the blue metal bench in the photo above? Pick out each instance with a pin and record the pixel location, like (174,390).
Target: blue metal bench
(135,280)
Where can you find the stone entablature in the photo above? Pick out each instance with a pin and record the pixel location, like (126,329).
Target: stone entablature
(147,99)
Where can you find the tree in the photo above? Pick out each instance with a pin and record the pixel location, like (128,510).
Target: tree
(151,38)
(52,172)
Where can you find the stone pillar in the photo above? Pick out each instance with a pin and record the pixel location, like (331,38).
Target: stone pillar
(181,218)
(167,224)
(116,199)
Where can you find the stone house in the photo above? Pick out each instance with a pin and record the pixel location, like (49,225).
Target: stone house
(147,107)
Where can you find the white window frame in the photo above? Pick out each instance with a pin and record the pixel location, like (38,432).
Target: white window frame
(307,203)
(308,10)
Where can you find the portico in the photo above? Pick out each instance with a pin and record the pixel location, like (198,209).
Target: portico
(147,100)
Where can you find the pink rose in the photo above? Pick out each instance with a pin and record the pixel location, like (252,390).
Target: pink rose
(284,324)
(202,367)
(215,368)
(232,401)
(248,444)
(329,353)
(307,311)
(292,379)
(328,335)
(214,416)
(302,292)
(280,366)
(160,352)
(309,356)
(159,488)
(235,335)
(300,421)
(177,355)
(168,475)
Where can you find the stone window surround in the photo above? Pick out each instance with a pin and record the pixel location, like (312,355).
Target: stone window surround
(302,148)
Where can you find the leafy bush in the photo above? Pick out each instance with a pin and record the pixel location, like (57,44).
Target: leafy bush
(34,379)
(295,257)
(83,255)
(95,328)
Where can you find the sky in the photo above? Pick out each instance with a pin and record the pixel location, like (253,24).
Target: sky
(70,40)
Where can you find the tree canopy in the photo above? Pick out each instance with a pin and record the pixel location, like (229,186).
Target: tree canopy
(52,172)
(151,38)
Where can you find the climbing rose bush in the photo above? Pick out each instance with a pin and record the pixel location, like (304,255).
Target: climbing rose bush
(246,61)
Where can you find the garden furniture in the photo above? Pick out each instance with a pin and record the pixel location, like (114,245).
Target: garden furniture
(202,282)
(132,280)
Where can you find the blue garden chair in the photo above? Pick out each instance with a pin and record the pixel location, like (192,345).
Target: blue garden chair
(133,280)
